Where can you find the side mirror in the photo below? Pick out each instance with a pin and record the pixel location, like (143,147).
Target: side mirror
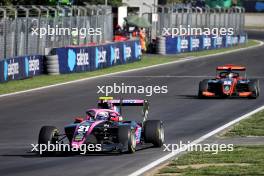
(78,120)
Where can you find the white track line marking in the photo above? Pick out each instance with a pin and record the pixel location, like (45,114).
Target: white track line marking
(173,76)
(132,70)
(161,76)
(199,140)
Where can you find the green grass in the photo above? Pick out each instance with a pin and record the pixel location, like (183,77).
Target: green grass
(253,126)
(148,60)
(244,160)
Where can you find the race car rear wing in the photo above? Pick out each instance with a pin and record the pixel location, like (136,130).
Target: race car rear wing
(231,67)
(109,102)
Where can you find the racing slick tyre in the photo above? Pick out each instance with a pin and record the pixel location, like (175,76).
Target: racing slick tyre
(253,87)
(48,134)
(127,137)
(154,132)
(203,86)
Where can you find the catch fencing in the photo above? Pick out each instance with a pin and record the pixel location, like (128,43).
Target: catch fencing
(172,17)
(17,24)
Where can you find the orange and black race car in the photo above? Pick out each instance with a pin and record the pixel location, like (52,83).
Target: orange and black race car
(230,81)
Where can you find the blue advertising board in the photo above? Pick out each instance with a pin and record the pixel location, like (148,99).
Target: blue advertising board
(227,41)
(21,67)
(206,42)
(217,42)
(80,59)
(179,44)
(242,39)
(172,45)
(235,40)
(184,44)
(194,44)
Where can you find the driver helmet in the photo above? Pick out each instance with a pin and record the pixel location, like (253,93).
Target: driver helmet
(231,75)
(102,116)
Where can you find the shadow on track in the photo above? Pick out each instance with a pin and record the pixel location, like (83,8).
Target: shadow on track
(210,98)
(73,154)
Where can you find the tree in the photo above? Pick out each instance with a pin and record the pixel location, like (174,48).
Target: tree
(97,2)
(177,1)
(52,2)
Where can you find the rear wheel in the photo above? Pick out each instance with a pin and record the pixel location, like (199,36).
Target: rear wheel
(154,132)
(127,137)
(253,87)
(48,135)
(203,86)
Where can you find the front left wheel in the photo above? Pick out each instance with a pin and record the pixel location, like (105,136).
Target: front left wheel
(203,86)
(48,135)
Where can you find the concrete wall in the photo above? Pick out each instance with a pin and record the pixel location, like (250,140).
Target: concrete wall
(254,19)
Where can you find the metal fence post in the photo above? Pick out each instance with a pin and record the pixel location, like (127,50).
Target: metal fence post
(4,30)
(39,16)
(14,39)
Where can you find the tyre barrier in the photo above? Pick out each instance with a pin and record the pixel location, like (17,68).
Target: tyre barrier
(180,44)
(52,65)
(161,45)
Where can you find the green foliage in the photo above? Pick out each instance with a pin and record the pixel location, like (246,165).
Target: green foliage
(54,2)
(25,2)
(97,2)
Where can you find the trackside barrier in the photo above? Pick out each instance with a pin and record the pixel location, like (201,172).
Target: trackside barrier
(21,67)
(52,65)
(89,58)
(181,44)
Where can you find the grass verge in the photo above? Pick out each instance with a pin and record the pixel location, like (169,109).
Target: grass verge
(252,126)
(147,60)
(244,160)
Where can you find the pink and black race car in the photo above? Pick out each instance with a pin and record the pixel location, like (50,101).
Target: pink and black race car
(105,126)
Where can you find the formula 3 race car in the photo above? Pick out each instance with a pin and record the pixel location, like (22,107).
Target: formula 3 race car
(104,125)
(230,81)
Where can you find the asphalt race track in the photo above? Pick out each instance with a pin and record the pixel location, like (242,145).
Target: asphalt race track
(185,116)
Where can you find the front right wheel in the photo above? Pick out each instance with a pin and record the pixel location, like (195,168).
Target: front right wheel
(154,132)
(253,87)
